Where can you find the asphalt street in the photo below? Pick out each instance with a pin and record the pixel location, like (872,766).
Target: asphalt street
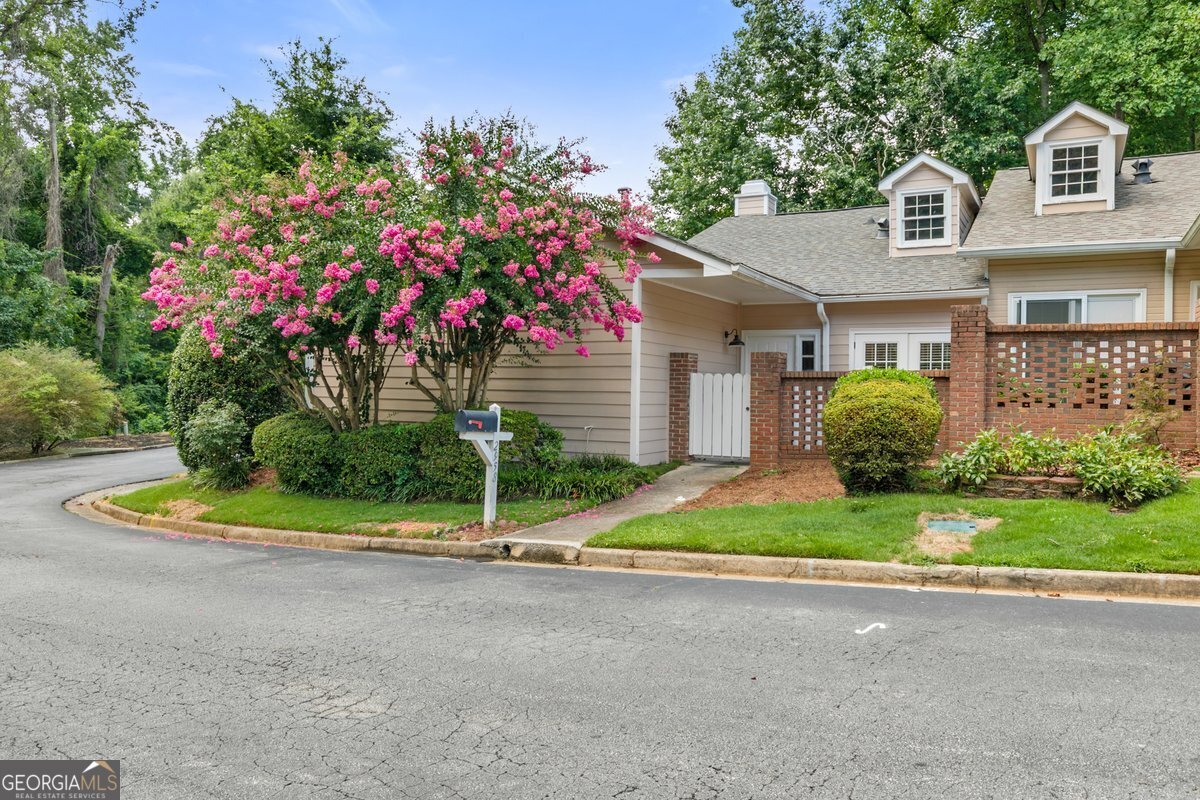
(218,670)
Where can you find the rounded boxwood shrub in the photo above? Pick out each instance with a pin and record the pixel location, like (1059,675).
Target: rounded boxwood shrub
(195,376)
(215,436)
(883,374)
(304,452)
(378,462)
(877,431)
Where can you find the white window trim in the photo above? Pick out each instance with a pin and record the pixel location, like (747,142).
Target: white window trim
(798,333)
(1195,297)
(908,343)
(945,240)
(1013,299)
(1105,189)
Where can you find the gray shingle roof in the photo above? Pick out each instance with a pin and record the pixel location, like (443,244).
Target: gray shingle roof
(834,253)
(1165,209)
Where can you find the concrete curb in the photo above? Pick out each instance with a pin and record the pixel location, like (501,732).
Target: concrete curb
(1125,585)
(1008,579)
(243,533)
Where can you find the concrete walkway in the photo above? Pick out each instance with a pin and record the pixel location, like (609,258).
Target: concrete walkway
(678,485)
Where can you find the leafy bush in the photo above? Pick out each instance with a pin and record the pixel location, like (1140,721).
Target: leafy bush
(304,452)
(882,374)
(378,462)
(877,431)
(450,469)
(151,423)
(593,478)
(48,396)
(1122,469)
(33,308)
(215,436)
(196,376)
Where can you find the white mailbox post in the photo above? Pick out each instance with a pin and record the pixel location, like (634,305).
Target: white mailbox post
(482,430)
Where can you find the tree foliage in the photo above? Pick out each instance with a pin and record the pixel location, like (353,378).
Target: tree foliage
(822,104)
(49,395)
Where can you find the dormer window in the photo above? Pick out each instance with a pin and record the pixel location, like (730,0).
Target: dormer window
(924,218)
(1075,170)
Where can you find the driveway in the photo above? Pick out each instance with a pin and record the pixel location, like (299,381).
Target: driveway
(241,671)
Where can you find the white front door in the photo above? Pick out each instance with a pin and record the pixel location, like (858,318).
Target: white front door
(900,350)
(801,347)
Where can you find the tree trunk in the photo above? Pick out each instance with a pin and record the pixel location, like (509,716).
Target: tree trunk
(53,267)
(1044,84)
(106,268)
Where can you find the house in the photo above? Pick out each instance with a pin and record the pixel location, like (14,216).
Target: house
(1082,233)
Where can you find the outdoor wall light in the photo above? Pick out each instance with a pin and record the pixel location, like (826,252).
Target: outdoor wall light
(736,341)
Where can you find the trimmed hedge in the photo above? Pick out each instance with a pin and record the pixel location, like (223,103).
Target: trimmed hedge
(877,431)
(304,452)
(883,374)
(195,376)
(428,461)
(215,435)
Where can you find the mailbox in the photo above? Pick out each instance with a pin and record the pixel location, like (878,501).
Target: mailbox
(476,422)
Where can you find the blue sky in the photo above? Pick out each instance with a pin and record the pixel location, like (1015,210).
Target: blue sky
(601,70)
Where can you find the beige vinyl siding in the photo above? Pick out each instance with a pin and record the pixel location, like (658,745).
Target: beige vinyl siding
(900,316)
(1077,273)
(564,389)
(779,317)
(1075,127)
(752,206)
(677,322)
(923,177)
(1187,269)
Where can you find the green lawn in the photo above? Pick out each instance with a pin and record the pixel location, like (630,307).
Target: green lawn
(1162,536)
(267,508)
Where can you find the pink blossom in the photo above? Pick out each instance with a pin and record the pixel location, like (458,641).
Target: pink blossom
(372,285)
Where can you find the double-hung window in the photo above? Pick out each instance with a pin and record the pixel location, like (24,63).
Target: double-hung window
(1057,308)
(924,218)
(1075,170)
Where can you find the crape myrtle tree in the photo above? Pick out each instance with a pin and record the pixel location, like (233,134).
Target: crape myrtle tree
(478,246)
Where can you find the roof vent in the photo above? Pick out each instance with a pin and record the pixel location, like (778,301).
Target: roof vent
(1141,171)
(881,227)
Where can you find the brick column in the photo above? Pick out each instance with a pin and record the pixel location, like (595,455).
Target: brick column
(766,409)
(679,394)
(1194,427)
(968,373)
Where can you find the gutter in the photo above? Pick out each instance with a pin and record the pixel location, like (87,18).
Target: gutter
(934,295)
(1080,248)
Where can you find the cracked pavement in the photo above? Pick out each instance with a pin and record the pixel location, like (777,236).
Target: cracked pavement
(227,670)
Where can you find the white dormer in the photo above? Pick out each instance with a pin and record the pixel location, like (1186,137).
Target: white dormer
(930,206)
(1074,159)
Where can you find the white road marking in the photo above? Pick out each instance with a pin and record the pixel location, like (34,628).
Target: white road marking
(872,627)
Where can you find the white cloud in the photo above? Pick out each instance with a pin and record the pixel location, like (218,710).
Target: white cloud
(671,84)
(361,16)
(183,70)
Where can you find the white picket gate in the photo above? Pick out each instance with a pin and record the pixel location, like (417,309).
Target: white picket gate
(719,416)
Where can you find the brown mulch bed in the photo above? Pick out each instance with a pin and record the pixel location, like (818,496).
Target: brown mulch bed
(800,483)
(132,441)
(1188,459)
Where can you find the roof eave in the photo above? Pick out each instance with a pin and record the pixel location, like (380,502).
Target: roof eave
(763,279)
(932,294)
(1071,248)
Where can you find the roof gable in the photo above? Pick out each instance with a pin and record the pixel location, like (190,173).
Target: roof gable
(923,159)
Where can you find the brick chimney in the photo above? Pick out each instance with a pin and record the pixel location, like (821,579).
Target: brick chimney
(754,199)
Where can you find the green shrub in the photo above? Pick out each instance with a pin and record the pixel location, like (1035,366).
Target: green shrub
(151,423)
(597,479)
(304,452)
(449,468)
(195,376)
(877,431)
(882,374)
(978,460)
(48,396)
(1026,454)
(1122,469)
(214,437)
(379,461)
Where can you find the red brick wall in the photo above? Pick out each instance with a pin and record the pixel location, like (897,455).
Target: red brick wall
(681,367)
(766,408)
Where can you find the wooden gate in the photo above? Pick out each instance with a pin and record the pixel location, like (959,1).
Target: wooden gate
(719,416)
